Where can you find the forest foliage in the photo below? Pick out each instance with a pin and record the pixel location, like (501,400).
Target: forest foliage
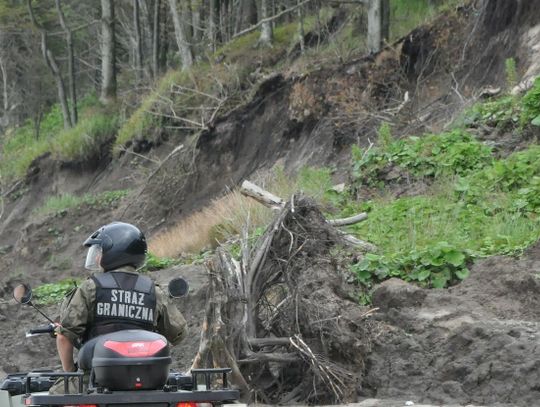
(70,72)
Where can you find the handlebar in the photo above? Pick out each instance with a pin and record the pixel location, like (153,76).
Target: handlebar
(46,329)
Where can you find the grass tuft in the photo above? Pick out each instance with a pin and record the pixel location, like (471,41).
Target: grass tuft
(208,227)
(225,217)
(86,139)
(21,147)
(64,202)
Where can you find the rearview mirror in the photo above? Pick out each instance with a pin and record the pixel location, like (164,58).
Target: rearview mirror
(178,287)
(22,294)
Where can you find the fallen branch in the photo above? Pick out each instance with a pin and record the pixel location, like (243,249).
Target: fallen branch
(348,221)
(353,241)
(260,195)
(13,188)
(262,342)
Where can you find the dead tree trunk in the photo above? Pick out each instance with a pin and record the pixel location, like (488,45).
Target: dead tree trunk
(196,13)
(301,32)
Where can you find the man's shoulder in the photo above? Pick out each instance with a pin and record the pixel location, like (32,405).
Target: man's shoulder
(88,284)
(84,292)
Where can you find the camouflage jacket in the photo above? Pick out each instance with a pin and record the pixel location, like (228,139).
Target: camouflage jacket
(77,313)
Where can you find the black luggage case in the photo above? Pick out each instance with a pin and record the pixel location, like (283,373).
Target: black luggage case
(131,360)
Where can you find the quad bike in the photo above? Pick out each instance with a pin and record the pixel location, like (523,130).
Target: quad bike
(127,368)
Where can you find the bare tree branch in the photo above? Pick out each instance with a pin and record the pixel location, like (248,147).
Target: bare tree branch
(348,221)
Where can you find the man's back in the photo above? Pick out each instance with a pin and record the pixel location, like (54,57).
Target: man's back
(116,300)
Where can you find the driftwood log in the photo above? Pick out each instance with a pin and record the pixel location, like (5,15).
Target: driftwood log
(282,317)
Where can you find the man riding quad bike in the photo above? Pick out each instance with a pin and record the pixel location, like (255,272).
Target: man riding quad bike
(125,324)
(115,297)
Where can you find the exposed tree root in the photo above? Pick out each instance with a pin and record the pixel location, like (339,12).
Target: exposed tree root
(282,318)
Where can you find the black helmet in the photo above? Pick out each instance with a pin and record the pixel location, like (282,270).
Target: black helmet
(115,245)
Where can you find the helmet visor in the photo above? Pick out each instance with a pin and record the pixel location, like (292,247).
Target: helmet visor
(93,258)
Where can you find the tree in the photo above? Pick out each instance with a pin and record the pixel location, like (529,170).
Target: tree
(71,62)
(6,106)
(138,41)
(180,30)
(213,24)
(266,28)
(156,36)
(246,15)
(53,66)
(196,18)
(108,53)
(378,24)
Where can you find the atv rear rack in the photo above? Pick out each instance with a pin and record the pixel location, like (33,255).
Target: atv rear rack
(170,395)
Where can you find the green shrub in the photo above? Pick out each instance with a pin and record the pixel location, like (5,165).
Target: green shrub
(507,110)
(531,105)
(154,263)
(436,266)
(511,72)
(506,175)
(447,154)
(409,229)
(54,293)
(316,182)
(385,135)
(501,112)
(143,121)
(406,15)
(59,203)
(86,139)
(528,198)
(491,209)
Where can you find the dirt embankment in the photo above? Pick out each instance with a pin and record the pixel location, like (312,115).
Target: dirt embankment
(476,343)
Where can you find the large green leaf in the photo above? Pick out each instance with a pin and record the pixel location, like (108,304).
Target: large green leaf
(454,257)
(439,281)
(463,273)
(423,275)
(364,276)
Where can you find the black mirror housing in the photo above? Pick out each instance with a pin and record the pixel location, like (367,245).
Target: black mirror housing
(178,287)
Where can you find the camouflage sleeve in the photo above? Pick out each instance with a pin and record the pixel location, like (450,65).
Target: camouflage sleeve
(75,313)
(170,321)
